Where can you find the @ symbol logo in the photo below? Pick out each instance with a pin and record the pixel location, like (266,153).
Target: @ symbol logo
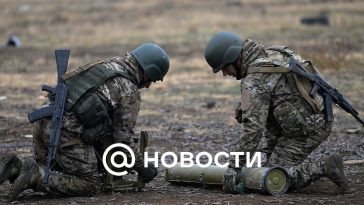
(122,154)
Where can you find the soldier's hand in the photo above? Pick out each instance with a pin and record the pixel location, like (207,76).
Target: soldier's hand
(238,113)
(147,174)
(231,183)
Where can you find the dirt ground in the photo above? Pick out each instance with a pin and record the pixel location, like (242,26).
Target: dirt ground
(192,110)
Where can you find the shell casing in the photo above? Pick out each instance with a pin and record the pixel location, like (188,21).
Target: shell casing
(209,176)
(267,180)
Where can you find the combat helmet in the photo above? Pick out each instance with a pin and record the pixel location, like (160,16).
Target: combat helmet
(153,60)
(223,48)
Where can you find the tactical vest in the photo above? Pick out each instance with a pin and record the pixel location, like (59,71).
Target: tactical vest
(85,103)
(298,84)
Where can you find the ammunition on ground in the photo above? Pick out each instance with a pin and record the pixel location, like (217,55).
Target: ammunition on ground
(266,180)
(210,176)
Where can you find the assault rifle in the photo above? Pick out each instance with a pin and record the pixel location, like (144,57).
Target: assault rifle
(330,94)
(55,109)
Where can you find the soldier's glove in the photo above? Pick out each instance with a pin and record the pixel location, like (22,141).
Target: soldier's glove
(147,174)
(232,184)
(239,113)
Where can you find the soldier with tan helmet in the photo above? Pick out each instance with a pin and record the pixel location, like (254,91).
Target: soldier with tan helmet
(102,106)
(276,104)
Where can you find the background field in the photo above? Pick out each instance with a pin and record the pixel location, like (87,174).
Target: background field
(193,109)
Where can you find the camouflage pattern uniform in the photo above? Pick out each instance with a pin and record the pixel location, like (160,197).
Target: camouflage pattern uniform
(270,107)
(76,167)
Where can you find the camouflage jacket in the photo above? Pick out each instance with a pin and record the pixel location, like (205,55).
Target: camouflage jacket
(121,97)
(263,93)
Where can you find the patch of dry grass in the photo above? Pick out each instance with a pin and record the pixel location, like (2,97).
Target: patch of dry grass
(26,81)
(97,29)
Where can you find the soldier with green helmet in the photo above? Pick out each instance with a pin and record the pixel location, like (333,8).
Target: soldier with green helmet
(275,105)
(102,106)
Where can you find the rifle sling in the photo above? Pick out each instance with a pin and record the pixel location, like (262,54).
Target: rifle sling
(293,81)
(268,69)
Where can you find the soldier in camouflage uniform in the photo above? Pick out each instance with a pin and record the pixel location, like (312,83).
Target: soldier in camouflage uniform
(275,104)
(102,106)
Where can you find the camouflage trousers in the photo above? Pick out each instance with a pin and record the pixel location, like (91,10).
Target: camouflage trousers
(75,171)
(292,133)
(290,149)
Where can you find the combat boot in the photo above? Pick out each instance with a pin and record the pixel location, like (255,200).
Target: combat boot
(30,178)
(10,166)
(334,170)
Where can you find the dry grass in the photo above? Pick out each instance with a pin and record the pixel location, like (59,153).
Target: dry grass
(176,112)
(92,28)
(93,23)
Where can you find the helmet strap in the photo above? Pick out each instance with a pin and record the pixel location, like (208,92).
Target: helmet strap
(141,77)
(144,79)
(239,76)
(241,70)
